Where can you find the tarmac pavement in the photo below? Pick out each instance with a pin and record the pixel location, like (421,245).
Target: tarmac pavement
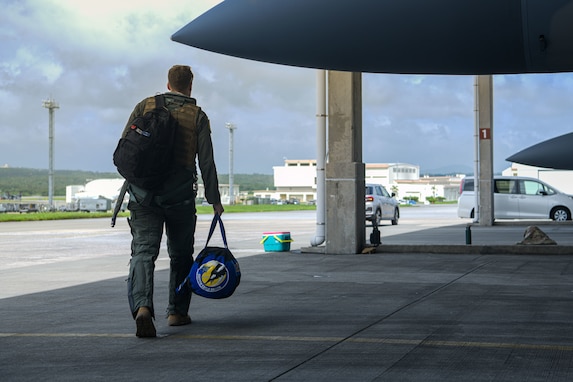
(387,316)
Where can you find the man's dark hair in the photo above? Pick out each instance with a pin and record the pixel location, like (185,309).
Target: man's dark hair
(180,77)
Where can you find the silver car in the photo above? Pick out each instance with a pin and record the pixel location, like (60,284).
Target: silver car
(380,205)
(518,198)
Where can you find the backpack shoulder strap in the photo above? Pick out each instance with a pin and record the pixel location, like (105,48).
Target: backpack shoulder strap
(159,100)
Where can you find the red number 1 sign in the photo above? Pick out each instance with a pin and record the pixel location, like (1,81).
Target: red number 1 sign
(484,134)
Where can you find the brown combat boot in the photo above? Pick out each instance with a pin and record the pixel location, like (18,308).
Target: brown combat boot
(144,323)
(178,320)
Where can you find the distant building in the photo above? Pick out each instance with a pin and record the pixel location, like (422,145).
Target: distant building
(296,179)
(95,195)
(72,191)
(107,188)
(447,187)
(110,188)
(388,173)
(224,190)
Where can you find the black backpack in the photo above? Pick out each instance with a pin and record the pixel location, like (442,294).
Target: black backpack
(144,157)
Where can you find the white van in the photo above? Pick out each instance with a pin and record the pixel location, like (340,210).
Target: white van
(516,197)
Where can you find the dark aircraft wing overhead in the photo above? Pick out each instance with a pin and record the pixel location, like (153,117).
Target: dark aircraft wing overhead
(553,153)
(392,36)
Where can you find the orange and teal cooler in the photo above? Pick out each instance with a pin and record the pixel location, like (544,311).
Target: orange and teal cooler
(276,241)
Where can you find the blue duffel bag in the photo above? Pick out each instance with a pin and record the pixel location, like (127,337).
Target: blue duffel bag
(215,272)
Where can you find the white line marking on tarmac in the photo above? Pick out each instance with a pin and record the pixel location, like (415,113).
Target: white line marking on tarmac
(387,341)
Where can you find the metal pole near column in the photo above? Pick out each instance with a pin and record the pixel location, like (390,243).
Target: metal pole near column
(231,128)
(321,116)
(51,105)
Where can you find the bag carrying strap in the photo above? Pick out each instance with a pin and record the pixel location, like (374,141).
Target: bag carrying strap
(119,202)
(217,219)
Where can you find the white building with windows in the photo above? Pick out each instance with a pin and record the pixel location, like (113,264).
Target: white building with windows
(387,174)
(296,179)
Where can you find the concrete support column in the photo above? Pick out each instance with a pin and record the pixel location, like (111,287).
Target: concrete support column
(485,139)
(345,218)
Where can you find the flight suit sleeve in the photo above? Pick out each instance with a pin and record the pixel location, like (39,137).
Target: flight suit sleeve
(206,160)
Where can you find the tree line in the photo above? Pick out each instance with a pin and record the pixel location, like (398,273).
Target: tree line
(31,182)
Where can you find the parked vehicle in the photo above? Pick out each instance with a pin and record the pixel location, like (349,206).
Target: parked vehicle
(94,204)
(27,207)
(380,205)
(518,198)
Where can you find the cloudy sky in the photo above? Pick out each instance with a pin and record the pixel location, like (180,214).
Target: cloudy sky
(98,59)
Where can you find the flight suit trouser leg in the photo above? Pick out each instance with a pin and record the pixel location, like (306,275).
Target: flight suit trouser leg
(147,229)
(180,226)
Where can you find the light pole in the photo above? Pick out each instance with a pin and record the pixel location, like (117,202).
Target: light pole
(51,105)
(231,128)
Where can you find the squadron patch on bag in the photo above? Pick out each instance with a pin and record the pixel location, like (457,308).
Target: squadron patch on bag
(212,276)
